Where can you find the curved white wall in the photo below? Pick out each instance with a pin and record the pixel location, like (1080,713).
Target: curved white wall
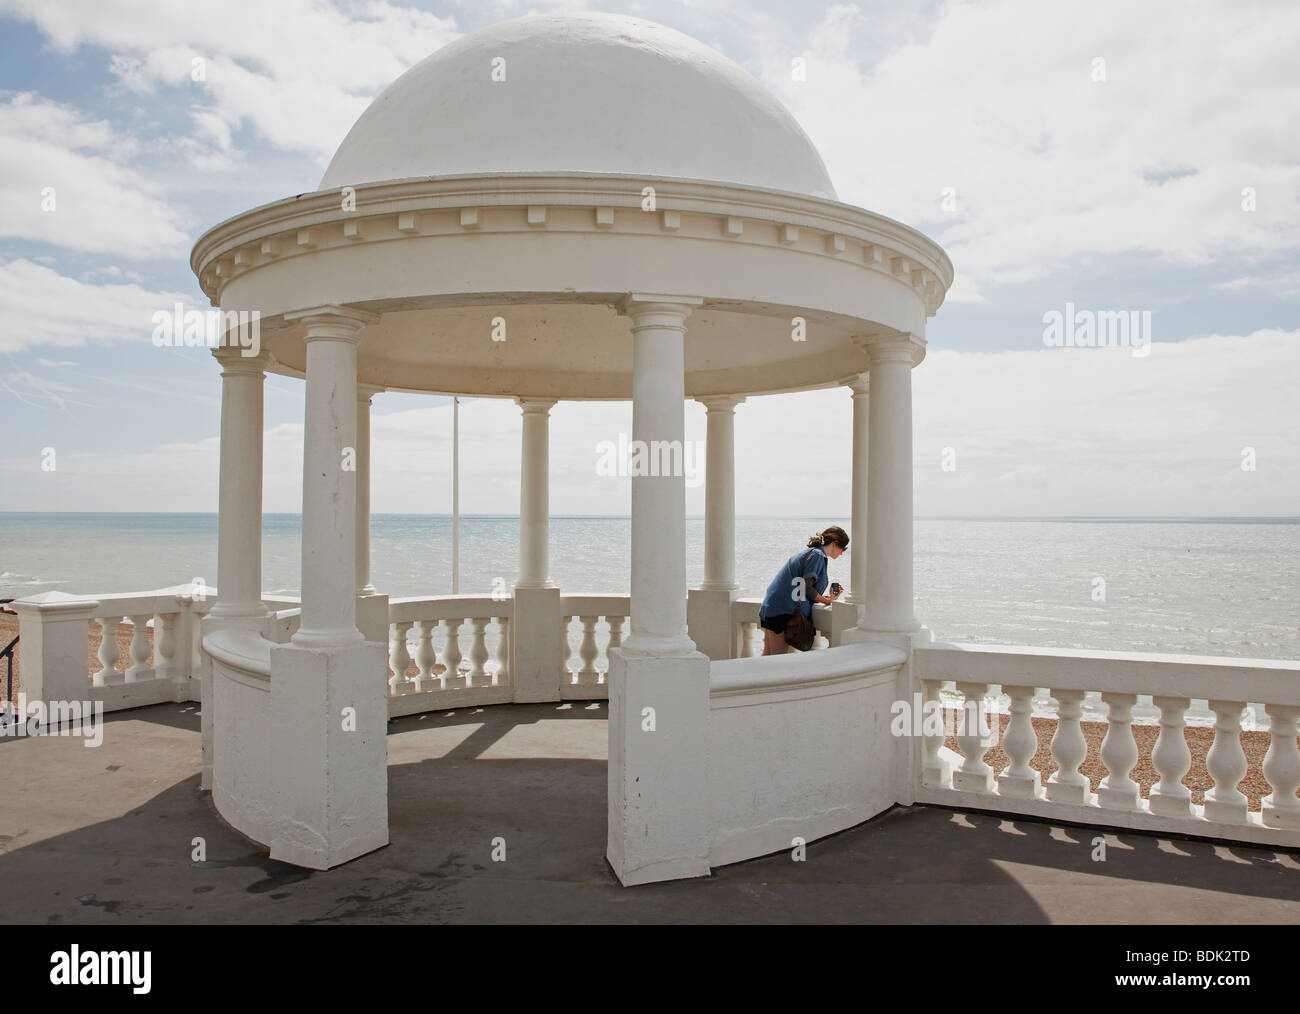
(241,783)
(799,747)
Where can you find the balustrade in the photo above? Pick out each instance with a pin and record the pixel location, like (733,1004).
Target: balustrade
(591,657)
(1120,678)
(458,645)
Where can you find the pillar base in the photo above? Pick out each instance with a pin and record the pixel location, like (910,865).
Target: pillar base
(659,804)
(708,620)
(329,754)
(52,645)
(905,639)
(372,617)
(844,617)
(536,645)
(910,758)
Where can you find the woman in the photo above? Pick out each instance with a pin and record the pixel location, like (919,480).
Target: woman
(798,585)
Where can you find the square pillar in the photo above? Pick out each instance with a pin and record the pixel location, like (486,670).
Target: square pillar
(536,645)
(53,630)
(329,753)
(708,621)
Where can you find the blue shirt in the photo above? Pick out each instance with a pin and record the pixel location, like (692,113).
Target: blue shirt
(783,592)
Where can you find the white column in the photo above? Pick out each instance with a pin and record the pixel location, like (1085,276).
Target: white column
(857,592)
(535,494)
(888,597)
(239,521)
(658,619)
(720,493)
(364,393)
(329,514)
(659,803)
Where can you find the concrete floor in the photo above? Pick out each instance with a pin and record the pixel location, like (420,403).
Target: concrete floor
(104,836)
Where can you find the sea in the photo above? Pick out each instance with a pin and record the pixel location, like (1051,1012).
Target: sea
(1201,586)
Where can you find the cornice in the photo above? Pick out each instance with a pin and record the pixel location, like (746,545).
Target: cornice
(690,209)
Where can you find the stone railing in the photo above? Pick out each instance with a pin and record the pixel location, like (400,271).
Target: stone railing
(161,657)
(599,627)
(1173,682)
(448,650)
(749,635)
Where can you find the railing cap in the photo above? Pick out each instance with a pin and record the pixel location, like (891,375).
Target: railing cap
(54,603)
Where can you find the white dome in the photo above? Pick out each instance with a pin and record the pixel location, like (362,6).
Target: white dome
(597,93)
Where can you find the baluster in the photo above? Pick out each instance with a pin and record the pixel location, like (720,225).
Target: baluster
(138,650)
(451,656)
(1020,744)
(974,738)
(935,770)
(747,639)
(478,653)
(1280,808)
(109,673)
(502,677)
(1171,758)
(398,658)
(1226,763)
(164,635)
(567,675)
(1119,752)
(615,641)
(1069,750)
(588,675)
(194,639)
(426,657)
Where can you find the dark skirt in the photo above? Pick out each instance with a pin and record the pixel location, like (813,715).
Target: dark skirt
(776,624)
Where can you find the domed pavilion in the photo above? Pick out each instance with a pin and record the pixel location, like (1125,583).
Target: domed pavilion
(584,207)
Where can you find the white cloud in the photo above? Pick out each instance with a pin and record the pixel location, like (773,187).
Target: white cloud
(40,307)
(97,203)
(1285,285)
(298,72)
(1048,165)
(1100,432)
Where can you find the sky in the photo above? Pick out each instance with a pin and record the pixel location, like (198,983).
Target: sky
(1110,156)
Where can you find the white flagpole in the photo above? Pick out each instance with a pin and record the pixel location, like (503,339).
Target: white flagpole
(455,496)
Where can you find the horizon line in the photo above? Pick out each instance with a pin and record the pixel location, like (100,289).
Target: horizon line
(747,517)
